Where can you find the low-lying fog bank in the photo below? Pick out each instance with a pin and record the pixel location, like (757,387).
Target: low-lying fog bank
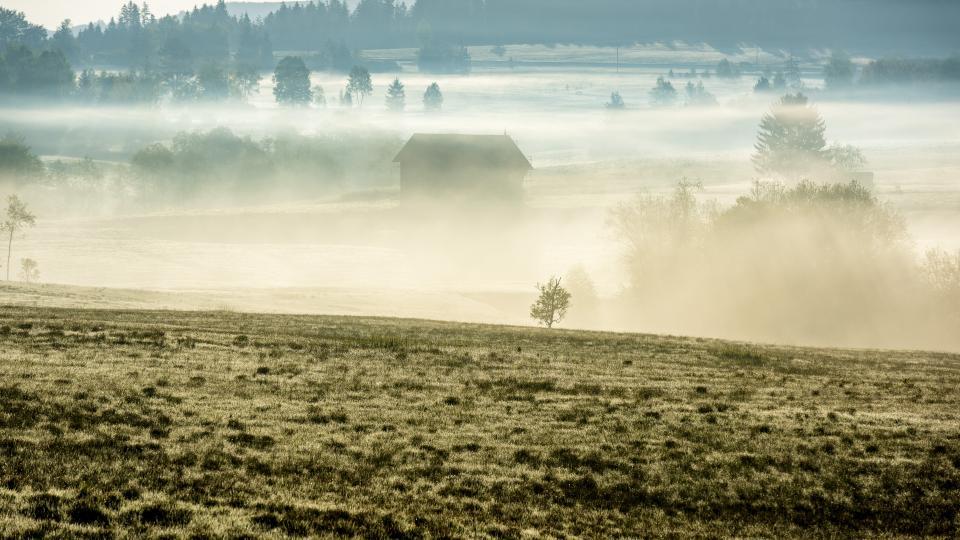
(254,208)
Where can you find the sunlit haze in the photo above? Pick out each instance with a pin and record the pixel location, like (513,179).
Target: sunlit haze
(50,13)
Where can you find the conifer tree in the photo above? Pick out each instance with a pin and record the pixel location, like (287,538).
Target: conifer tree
(396,96)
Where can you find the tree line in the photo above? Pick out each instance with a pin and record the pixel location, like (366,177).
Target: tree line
(138,39)
(884,25)
(292,87)
(209,54)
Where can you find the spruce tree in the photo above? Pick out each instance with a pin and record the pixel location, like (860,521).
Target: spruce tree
(396,96)
(433,98)
(790,142)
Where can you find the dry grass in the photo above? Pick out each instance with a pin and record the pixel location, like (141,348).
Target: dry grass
(232,425)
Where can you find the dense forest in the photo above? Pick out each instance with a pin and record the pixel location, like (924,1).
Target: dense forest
(137,38)
(208,53)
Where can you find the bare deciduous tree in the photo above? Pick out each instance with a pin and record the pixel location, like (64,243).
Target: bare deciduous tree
(17,218)
(552,305)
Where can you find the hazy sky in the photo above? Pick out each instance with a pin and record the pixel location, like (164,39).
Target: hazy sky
(50,12)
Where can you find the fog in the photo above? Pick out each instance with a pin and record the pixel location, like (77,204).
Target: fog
(324,229)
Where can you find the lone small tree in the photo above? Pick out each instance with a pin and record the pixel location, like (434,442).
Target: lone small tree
(17,218)
(552,304)
(29,271)
(292,82)
(763,85)
(616,102)
(433,98)
(396,96)
(359,84)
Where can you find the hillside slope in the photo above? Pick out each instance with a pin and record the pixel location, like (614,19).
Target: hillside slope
(224,424)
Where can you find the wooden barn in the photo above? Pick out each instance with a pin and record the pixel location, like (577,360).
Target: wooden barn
(471,168)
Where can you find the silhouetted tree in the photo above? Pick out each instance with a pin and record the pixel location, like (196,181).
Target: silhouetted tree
(762,86)
(291,82)
(16,30)
(47,74)
(616,102)
(779,82)
(697,95)
(727,70)
(213,82)
(17,162)
(552,304)
(790,141)
(663,93)
(437,57)
(396,96)
(792,74)
(64,40)
(433,98)
(359,84)
(839,71)
(18,217)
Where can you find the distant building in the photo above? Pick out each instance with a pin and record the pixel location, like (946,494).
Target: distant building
(471,168)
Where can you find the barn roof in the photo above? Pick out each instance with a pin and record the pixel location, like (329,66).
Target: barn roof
(486,149)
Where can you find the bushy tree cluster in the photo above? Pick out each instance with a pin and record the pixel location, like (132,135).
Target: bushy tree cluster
(816,262)
(437,55)
(220,164)
(698,96)
(663,93)
(46,74)
(15,29)
(839,71)
(137,39)
(904,70)
(727,70)
(18,163)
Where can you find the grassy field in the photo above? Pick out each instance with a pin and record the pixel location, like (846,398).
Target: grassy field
(219,424)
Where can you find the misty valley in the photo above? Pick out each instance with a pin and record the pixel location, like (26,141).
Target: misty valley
(409,270)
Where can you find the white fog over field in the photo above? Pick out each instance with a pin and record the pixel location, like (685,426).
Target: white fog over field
(355,248)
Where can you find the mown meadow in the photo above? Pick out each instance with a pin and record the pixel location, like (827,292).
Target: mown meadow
(219,424)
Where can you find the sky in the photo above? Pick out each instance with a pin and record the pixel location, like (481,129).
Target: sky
(49,13)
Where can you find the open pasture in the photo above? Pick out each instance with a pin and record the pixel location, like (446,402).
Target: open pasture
(217,424)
